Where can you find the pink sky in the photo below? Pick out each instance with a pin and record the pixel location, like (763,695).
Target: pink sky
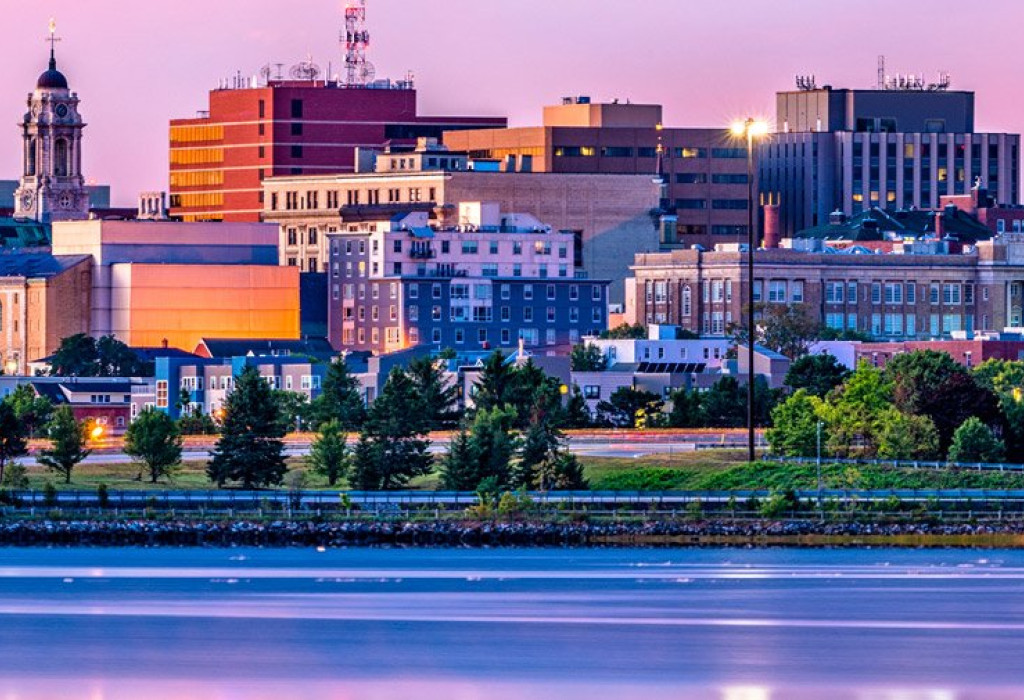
(136,64)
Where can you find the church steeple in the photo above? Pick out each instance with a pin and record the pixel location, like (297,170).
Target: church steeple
(52,187)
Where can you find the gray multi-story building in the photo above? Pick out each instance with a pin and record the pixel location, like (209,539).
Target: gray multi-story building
(903,147)
(494,281)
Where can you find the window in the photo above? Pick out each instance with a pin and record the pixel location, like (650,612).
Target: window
(691,178)
(595,294)
(796,294)
(528,313)
(834,292)
(436,291)
(161,393)
(728,152)
(876,292)
(777,291)
(968,293)
(493,248)
(951,294)
(469,247)
(691,204)
(489,269)
(527,291)
(893,293)
(506,336)
(688,153)
(933,293)
(551,314)
(733,204)
(517,248)
(506,314)
(551,291)
(591,391)
(296,109)
(758,284)
(851,292)
(296,151)
(911,293)
(549,336)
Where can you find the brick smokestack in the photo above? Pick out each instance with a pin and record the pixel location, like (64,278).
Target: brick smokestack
(772,233)
(940,224)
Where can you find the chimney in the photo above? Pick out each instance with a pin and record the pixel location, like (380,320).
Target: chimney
(164,343)
(940,224)
(772,232)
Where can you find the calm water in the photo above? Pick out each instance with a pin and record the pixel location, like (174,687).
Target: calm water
(107,624)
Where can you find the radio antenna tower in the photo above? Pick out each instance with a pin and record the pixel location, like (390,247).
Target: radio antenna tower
(356,39)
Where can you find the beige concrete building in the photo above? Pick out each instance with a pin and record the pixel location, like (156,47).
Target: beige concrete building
(43,299)
(919,290)
(611,214)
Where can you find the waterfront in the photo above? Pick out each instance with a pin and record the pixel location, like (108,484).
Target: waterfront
(730,624)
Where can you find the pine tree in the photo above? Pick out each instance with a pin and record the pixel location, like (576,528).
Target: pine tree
(328,455)
(68,438)
(250,449)
(340,399)
(459,468)
(496,384)
(440,396)
(577,414)
(392,448)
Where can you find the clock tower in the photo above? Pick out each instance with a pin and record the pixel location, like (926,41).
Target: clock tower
(52,187)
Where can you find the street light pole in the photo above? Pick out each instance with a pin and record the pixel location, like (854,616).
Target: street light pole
(819,466)
(750,128)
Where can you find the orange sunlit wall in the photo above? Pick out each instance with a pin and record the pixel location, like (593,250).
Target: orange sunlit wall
(180,304)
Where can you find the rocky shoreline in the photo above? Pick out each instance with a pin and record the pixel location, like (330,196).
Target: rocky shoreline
(290,533)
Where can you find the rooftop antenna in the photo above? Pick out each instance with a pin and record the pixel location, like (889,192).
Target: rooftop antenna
(881,73)
(356,40)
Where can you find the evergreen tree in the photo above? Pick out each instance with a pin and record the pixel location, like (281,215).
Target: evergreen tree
(629,407)
(459,468)
(13,437)
(440,396)
(563,473)
(154,439)
(496,384)
(250,449)
(68,439)
(686,409)
(392,449)
(294,409)
(328,455)
(577,415)
(340,399)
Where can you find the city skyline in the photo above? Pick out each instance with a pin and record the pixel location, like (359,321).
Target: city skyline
(128,114)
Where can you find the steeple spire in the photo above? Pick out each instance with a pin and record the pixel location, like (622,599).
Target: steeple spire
(53,43)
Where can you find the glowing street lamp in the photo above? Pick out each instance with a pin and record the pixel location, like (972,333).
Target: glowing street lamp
(750,129)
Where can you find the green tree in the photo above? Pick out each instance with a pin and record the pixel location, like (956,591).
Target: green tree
(626,332)
(562,473)
(577,414)
(76,356)
(329,454)
(931,383)
(587,357)
(629,407)
(724,405)
(483,453)
(540,447)
(974,441)
(68,440)
(1006,379)
(197,424)
(906,436)
(786,329)
(853,412)
(496,385)
(795,426)
(440,395)
(818,374)
(392,448)
(250,449)
(13,437)
(154,440)
(81,355)
(293,408)
(32,410)
(340,399)
(687,411)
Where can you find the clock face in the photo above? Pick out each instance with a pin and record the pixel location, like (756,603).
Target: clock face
(26,200)
(62,110)
(65,201)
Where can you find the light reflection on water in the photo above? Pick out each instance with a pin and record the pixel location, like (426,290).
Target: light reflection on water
(503,624)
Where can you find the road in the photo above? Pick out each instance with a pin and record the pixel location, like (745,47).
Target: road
(630,445)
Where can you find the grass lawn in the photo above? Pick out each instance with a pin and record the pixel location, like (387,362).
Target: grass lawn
(704,470)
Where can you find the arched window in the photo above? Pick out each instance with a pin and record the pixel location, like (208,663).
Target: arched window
(60,158)
(30,156)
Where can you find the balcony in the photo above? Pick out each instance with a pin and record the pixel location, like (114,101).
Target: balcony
(422,253)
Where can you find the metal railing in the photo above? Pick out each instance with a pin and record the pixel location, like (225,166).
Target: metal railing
(898,463)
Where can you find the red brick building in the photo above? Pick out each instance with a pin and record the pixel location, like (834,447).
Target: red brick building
(969,353)
(219,159)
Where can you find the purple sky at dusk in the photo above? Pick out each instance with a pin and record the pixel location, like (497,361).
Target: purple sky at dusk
(137,64)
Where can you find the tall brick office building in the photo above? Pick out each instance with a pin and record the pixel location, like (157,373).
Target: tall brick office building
(705,170)
(218,160)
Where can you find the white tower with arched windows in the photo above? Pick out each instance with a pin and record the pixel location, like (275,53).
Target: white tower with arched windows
(52,187)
